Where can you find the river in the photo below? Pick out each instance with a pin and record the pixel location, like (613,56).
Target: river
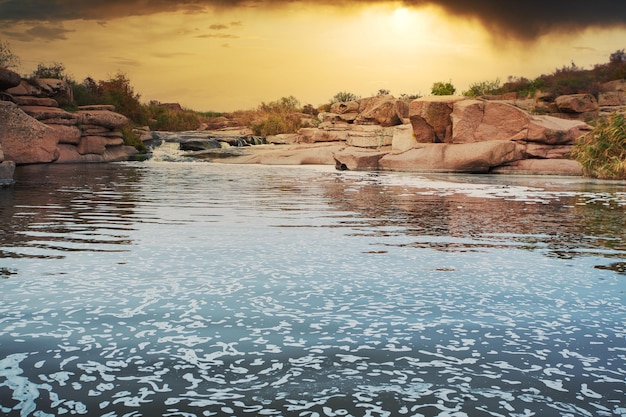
(200,289)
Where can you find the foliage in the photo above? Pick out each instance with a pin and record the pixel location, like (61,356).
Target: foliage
(483,88)
(54,70)
(343,96)
(441,88)
(131,138)
(602,152)
(283,105)
(7,58)
(163,118)
(570,79)
(280,116)
(116,91)
(383,92)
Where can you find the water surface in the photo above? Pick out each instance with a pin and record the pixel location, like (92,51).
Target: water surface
(199,289)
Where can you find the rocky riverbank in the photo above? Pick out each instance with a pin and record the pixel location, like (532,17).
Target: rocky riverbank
(431,134)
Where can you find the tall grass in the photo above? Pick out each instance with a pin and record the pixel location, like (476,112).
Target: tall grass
(602,152)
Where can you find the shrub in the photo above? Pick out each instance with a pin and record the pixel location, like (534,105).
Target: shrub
(132,139)
(115,91)
(162,118)
(54,70)
(483,88)
(602,152)
(443,89)
(343,96)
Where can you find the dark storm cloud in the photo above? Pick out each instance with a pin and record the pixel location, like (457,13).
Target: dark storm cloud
(521,19)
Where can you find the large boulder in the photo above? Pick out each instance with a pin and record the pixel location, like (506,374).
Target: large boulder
(8,79)
(25,140)
(442,157)
(68,154)
(403,138)
(577,103)
(36,101)
(104,118)
(51,115)
(54,88)
(370,136)
(68,134)
(430,118)
(479,121)
(358,159)
(384,110)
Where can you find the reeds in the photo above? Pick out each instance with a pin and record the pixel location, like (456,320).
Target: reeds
(602,152)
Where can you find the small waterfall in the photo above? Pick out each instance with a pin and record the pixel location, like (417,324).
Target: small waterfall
(167,152)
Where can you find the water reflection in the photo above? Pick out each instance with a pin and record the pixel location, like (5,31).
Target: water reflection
(583,219)
(57,209)
(199,289)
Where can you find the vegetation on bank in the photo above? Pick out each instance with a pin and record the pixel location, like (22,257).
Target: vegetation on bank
(602,152)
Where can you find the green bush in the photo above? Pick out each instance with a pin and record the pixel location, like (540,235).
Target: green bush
(132,139)
(602,152)
(162,118)
(442,89)
(483,88)
(54,70)
(116,91)
(343,96)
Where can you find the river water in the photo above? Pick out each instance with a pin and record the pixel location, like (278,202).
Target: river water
(199,289)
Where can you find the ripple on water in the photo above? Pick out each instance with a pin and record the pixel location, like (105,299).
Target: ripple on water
(213,290)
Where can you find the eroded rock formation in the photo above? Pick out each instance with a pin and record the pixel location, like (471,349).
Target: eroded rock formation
(35,129)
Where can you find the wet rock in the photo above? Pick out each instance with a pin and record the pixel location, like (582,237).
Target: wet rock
(566,167)
(199,144)
(7,169)
(358,159)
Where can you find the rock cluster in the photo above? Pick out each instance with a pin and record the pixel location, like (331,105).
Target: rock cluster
(36,129)
(439,134)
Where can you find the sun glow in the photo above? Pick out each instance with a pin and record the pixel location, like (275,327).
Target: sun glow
(402,19)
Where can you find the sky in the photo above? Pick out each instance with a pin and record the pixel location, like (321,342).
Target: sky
(221,55)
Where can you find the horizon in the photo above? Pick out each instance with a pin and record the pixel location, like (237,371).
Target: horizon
(211,55)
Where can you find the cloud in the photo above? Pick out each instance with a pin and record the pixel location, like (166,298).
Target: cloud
(39,32)
(520,19)
(218,27)
(217,36)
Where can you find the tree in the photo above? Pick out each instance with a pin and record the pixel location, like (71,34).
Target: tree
(443,89)
(343,96)
(7,58)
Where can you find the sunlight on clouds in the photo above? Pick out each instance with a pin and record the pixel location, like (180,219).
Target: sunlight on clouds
(236,58)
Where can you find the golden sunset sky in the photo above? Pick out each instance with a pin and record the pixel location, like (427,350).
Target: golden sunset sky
(226,55)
